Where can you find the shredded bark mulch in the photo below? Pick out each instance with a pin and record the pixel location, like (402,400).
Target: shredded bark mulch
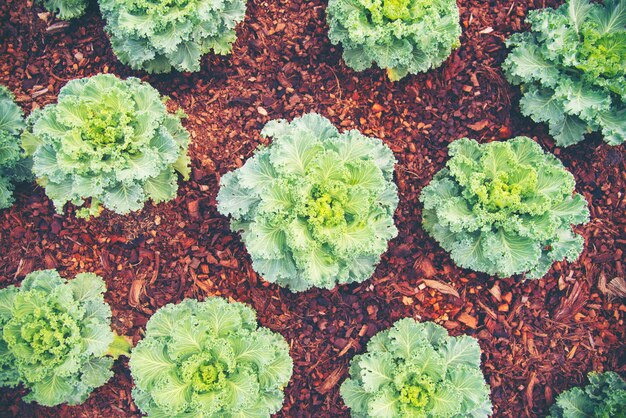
(538,337)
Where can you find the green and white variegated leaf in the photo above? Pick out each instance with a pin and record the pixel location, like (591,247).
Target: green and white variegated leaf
(110,140)
(200,358)
(397,36)
(171,36)
(442,371)
(572,68)
(314,208)
(69,360)
(499,208)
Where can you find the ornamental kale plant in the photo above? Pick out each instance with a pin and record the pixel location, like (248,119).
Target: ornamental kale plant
(66,9)
(603,397)
(316,207)
(504,208)
(572,68)
(417,370)
(158,35)
(55,337)
(209,359)
(14,167)
(110,140)
(403,36)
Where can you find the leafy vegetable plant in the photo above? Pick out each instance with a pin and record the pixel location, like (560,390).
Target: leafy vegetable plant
(315,207)
(110,140)
(66,9)
(55,337)
(14,167)
(403,36)
(572,68)
(504,208)
(209,359)
(603,397)
(417,370)
(156,36)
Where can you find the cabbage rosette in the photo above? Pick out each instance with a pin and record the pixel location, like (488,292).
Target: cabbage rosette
(402,36)
(55,337)
(157,36)
(572,68)
(110,140)
(316,207)
(209,359)
(504,208)
(416,370)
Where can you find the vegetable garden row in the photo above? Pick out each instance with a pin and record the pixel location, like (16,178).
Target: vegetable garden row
(316,207)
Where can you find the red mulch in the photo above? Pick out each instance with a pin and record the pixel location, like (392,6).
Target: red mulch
(538,337)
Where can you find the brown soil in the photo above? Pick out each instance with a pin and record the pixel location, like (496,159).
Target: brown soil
(538,337)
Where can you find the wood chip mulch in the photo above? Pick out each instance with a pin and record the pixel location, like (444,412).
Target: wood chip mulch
(538,337)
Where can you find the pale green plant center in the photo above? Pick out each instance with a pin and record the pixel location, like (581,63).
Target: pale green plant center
(417,392)
(47,333)
(396,9)
(204,372)
(324,209)
(108,128)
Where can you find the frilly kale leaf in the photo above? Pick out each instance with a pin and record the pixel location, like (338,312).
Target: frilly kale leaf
(315,207)
(110,140)
(158,36)
(416,369)
(603,397)
(402,36)
(504,208)
(572,68)
(209,359)
(55,337)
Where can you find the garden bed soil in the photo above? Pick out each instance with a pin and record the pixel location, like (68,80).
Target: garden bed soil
(538,337)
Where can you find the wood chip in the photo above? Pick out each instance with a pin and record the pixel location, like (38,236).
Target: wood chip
(441,287)
(330,381)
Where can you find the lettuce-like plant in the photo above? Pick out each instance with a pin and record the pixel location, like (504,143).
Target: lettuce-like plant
(316,207)
(403,36)
(14,167)
(572,68)
(158,35)
(416,369)
(55,337)
(66,9)
(603,397)
(110,140)
(209,359)
(504,208)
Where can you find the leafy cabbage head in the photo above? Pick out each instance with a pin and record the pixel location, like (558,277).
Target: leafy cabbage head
(209,359)
(55,335)
(316,207)
(110,140)
(416,370)
(157,36)
(402,36)
(66,9)
(603,397)
(14,166)
(572,68)
(504,208)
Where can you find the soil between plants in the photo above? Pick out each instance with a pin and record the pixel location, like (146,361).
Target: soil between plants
(538,337)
